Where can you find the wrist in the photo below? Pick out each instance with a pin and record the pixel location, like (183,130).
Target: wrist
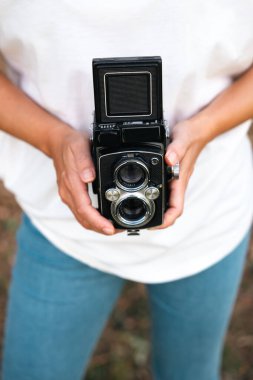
(55,136)
(203,127)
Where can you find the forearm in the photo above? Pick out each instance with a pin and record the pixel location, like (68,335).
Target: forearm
(230,108)
(24,119)
(68,148)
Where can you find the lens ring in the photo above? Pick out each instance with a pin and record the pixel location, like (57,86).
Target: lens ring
(131,175)
(144,218)
(132,208)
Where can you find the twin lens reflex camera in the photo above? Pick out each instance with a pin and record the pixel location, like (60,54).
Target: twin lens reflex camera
(129,142)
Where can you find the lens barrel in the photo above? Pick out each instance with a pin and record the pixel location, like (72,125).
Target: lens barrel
(133,210)
(131,175)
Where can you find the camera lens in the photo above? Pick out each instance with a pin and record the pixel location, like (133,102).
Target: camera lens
(132,209)
(132,175)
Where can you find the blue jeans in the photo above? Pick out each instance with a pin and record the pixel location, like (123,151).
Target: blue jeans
(58,307)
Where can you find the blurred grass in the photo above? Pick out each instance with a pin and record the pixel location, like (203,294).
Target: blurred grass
(124,349)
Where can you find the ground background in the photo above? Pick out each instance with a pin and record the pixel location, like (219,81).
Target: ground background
(123,351)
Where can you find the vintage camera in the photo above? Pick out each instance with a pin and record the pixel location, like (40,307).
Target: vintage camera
(129,142)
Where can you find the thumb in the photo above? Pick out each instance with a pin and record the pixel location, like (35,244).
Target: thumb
(84,161)
(175,152)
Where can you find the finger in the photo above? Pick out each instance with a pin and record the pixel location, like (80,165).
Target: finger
(175,152)
(72,183)
(82,207)
(181,142)
(68,200)
(80,150)
(65,196)
(89,215)
(177,192)
(119,231)
(178,189)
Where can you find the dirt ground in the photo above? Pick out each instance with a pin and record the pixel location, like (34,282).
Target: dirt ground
(123,350)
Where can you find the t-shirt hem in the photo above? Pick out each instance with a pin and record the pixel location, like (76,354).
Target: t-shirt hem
(197,264)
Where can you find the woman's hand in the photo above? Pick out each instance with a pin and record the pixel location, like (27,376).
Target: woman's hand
(230,108)
(21,117)
(70,151)
(187,143)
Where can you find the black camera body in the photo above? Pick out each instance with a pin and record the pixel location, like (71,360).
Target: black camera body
(129,142)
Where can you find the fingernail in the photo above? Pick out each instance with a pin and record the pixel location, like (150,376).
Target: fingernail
(108,231)
(87,175)
(172,158)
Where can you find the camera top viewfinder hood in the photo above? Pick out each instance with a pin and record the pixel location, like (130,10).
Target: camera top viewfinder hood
(128,89)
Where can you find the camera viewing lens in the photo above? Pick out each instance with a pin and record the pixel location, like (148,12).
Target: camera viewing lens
(131,175)
(132,209)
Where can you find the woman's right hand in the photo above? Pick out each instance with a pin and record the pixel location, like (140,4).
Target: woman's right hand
(70,151)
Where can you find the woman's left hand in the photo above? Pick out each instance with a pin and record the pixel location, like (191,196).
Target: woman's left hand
(187,142)
(227,110)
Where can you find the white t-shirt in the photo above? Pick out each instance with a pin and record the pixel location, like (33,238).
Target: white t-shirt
(49,47)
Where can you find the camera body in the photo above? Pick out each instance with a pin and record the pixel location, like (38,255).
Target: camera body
(129,142)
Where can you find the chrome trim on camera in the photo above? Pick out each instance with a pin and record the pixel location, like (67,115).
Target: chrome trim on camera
(150,211)
(152,193)
(136,188)
(112,194)
(129,72)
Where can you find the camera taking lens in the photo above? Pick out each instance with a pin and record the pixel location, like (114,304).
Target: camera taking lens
(133,210)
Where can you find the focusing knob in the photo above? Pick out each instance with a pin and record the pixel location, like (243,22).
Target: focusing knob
(152,193)
(112,195)
(174,171)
